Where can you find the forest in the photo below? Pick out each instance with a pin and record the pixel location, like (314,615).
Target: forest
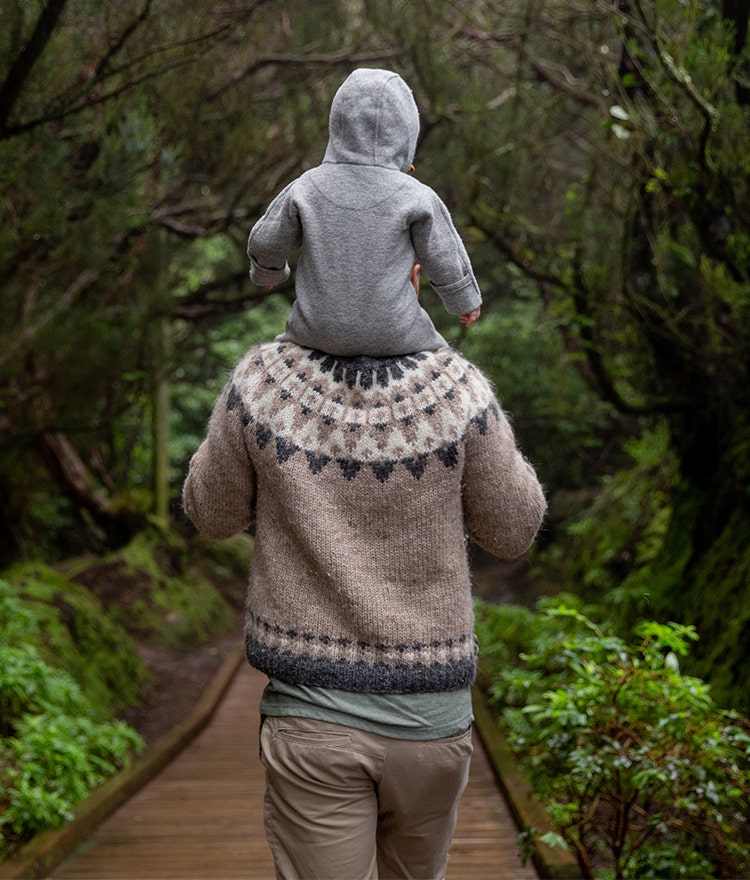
(595,155)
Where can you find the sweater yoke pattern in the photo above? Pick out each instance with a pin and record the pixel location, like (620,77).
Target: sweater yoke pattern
(395,412)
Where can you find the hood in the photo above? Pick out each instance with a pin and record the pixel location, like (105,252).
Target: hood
(374,121)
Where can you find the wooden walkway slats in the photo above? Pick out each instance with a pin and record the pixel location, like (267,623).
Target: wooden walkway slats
(201,818)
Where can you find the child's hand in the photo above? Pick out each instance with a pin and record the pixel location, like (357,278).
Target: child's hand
(468,318)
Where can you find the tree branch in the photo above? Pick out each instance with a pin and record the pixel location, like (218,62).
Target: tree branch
(584,342)
(75,478)
(29,55)
(561,79)
(63,111)
(345,56)
(72,101)
(199,304)
(81,283)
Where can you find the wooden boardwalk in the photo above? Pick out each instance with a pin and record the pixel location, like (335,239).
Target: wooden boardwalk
(201,817)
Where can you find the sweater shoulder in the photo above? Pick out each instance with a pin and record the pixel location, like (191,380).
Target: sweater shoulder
(360,409)
(359,380)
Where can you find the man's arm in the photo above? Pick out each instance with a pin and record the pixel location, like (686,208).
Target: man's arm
(220,490)
(504,502)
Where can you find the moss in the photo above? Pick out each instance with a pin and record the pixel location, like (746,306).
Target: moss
(718,602)
(159,589)
(152,588)
(225,564)
(75,633)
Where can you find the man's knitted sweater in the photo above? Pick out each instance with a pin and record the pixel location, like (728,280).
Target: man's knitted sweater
(363,477)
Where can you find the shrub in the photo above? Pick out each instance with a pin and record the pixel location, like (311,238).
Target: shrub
(53,762)
(55,746)
(643,775)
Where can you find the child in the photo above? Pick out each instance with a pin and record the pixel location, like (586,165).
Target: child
(363,228)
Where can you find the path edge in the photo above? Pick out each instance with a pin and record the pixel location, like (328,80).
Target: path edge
(44,852)
(525,807)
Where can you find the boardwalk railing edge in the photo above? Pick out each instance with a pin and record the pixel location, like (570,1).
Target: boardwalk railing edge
(48,849)
(526,808)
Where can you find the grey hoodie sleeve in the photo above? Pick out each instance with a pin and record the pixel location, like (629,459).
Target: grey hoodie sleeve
(273,239)
(444,260)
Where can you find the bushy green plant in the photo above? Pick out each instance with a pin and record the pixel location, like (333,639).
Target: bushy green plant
(642,774)
(53,762)
(54,744)
(624,529)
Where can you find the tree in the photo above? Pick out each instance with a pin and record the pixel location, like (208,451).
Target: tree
(599,151)
(593,155)
(131,134)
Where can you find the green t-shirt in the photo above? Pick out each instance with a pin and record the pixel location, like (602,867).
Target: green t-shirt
(402,716)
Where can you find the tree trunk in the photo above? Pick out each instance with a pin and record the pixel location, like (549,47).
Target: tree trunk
(11,89)
(78,483)
(160,416)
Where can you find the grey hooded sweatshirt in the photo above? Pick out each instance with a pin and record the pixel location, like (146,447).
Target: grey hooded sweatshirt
(360,223)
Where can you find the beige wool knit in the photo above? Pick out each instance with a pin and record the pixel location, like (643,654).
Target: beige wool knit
(363,476)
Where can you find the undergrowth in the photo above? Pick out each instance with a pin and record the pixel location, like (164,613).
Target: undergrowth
(56,743)
(642,774)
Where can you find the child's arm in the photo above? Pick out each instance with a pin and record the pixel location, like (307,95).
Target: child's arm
(444,259)
(273,239)
(467,319)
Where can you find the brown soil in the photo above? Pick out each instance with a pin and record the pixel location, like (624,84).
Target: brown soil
(178,678)
(177,682)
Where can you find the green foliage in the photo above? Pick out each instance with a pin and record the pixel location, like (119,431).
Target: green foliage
(225,564)
(54,761)
(70,628)
(594,157)
(642,774)
(168,606)
(635,549)
(68,662)
(197,383)
(56,745)
(625,527)
(719,605)
(143,144)
(557,417)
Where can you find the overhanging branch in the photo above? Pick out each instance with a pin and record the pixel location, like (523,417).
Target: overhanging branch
(21,68)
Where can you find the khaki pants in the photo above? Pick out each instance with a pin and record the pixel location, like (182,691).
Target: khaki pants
(344,804)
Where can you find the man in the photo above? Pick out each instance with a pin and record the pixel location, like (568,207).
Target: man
(363,477)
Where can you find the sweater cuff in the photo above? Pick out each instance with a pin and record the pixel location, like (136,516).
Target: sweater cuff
(264,276)
(461,296)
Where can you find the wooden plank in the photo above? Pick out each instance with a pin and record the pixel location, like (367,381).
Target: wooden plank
(202,816)
(528,811)
(484,845)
